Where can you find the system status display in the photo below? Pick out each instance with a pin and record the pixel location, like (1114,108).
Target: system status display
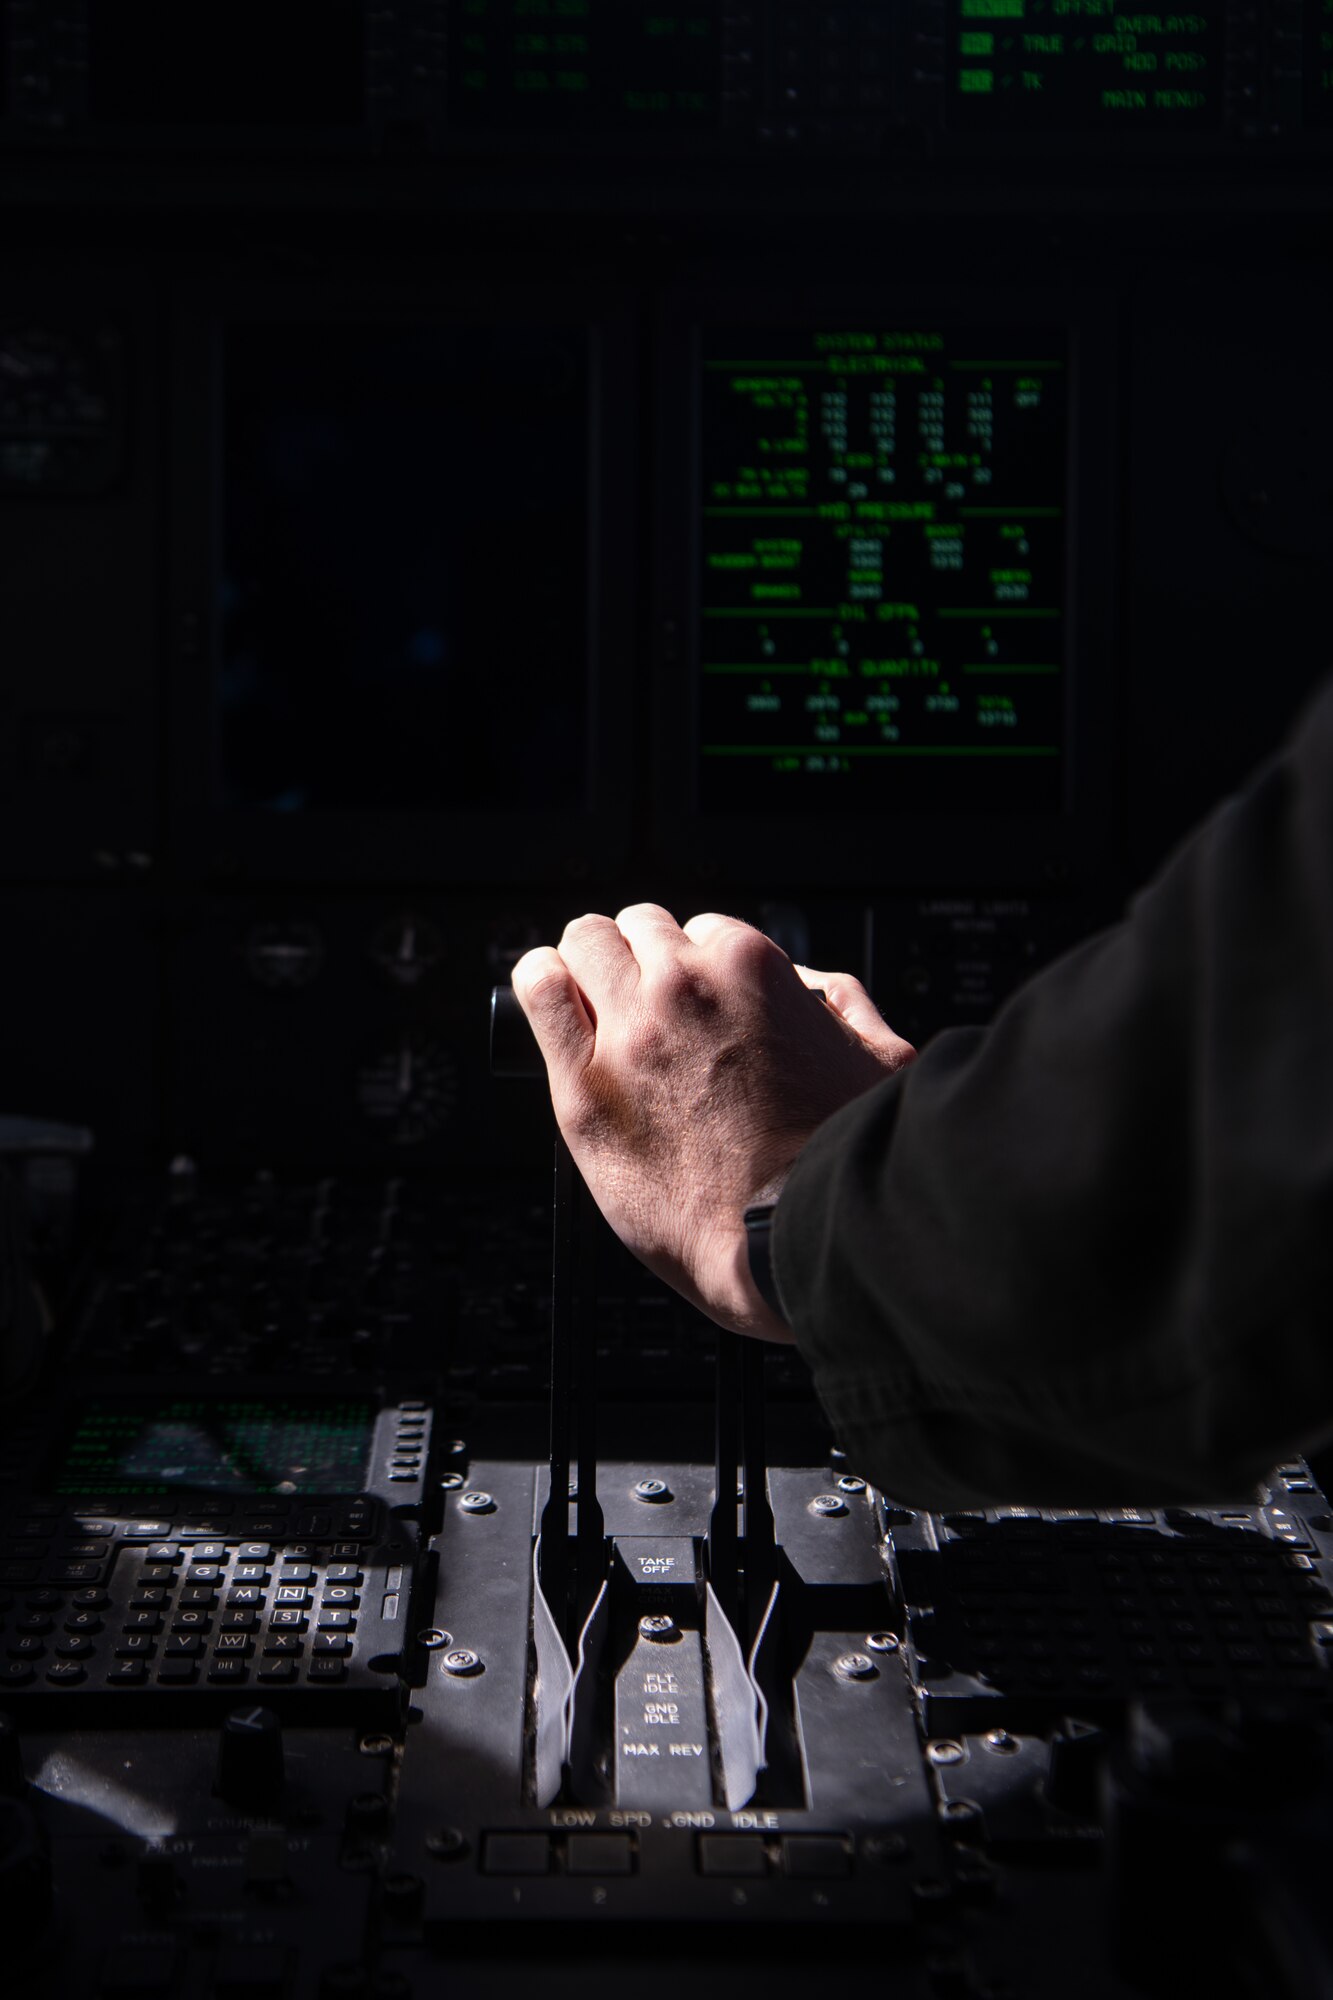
(882,593)
(587,65)
(276,1445)
(1070,65)
(1319,64)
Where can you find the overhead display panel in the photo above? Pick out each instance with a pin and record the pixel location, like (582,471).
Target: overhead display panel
(1073,66)
(882,570)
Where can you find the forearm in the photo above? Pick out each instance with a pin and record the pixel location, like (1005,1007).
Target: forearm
(1076,1257)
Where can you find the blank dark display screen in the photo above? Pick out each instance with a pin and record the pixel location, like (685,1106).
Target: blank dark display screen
(1319,64)
(404,620)
(277,1445)
(882,580)
(624,66)
(1075,65)
(228,62)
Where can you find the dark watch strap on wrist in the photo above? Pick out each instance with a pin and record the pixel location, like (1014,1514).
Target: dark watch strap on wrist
(759,1241)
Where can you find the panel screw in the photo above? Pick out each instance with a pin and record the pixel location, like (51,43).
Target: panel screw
(882,1642)
(946,1751)
(961,1810)
(446,1843)
(658,1627)
(849,1483)
(433,1638)
(828,1504)
(455,1447)
(461,1660)
(375,1746)
(1001,1740)
(476,1502)
(451,1482)
(855,1667)
(651,1489)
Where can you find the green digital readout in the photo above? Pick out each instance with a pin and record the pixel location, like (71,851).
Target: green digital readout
(1077,65)
(279,1445)
(882,575)
(545,66)
(1319,64)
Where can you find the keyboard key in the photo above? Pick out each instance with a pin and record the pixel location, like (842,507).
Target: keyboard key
(342,1596)
(163,1552)
(226,1667)
(259,1552)
(68,1672)
(151,1599)
(330,1642)
(287,1619)
(241,1620)
(336,1621)
(184,1645)
(192,1619)
(275,1672)
(208,1552)
(200,1574)
(136,1646)
(75,1572)
(283,1642)
(177,1670)
(342,1572)
(127,1673)
(249,1573)
(233,1642)
(325,1669)
(246,1597)
(296,1573)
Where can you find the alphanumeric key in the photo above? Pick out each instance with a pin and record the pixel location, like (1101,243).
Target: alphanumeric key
(291,1593)
(239,1619)
(287,1619)
(68,1671)
(198,1594)
(204,1573)
(147,1600)
(342,1572)
(247,1594)
(336,1621)
(278,1671)
(192,1619)
(233,1642)
(342,1595)
(326,1669)
(136,1646)
(250,1573)
(142,1621)
(330,1642)
(182,1645)
(127,1673)
(296,1573)
(227,1667)
(283,1642)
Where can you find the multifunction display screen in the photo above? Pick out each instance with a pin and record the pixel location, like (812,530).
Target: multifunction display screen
(404,586)
(623,66)
(1080,65)
(882,570)
(276,1445)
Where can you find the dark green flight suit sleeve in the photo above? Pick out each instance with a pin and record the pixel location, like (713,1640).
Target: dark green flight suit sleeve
(1085,1255)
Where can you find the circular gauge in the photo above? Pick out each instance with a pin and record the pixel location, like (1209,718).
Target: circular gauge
(284,955)
(408,1088)
(407,948)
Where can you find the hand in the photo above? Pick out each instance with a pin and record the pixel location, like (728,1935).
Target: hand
(688,1067)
